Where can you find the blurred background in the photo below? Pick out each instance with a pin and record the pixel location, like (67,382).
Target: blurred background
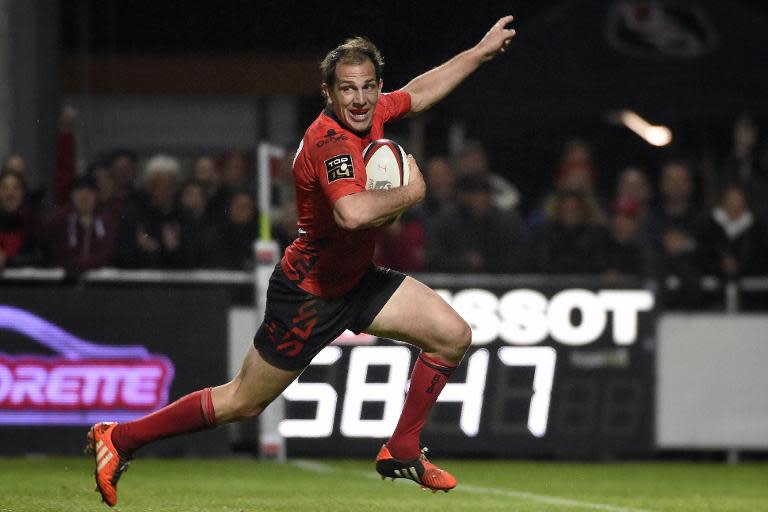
(618,146)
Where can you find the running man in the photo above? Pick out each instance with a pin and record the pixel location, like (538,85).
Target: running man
(326,281)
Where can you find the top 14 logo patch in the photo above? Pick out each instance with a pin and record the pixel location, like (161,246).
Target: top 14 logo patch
(339,167)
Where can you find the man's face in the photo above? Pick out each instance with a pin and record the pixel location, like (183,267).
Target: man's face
(734,203)
(241,209)
(440,178)
(354,94)
(676,182)
(16,163)
(162,189)
(193,199)
(633,183)
(84,200)
(11,193)
(124,172)
(206,172)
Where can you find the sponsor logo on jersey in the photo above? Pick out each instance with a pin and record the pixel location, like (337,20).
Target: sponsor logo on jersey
(339,167)
(330,138)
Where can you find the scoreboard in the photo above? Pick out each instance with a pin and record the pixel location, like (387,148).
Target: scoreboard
(552,371)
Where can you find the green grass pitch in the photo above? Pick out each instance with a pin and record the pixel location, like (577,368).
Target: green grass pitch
(66,484)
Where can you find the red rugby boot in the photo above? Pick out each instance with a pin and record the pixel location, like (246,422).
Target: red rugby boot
(420,470)
(109,464)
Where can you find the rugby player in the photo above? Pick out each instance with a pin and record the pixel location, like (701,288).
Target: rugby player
(326,281)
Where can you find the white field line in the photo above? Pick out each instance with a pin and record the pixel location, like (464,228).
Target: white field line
(312,466)
(548,500)
(320,467)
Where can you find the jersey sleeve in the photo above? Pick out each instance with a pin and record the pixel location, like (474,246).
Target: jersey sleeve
(340,170)
(395,104)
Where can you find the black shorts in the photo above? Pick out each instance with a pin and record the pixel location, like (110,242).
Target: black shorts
(297,325)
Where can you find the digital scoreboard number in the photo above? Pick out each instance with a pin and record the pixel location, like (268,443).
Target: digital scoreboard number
(565,372)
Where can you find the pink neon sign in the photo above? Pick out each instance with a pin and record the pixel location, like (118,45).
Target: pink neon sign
(85,383)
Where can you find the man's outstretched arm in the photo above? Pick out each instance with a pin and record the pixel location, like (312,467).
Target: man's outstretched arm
(432,86)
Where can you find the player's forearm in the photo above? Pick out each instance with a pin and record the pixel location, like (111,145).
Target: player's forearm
(372,208)
(434,85)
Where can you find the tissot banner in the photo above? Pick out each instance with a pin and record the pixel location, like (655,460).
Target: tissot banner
(553,371)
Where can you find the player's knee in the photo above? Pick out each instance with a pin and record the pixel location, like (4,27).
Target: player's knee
(466,337)
(234,405)
(245,409)
(249,410)
(457,342)
(463,338)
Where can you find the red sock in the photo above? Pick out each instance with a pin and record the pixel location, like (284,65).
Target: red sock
(190,413)
(427,381)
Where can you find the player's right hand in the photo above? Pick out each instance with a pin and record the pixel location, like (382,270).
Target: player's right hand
(417,187)
(497,39)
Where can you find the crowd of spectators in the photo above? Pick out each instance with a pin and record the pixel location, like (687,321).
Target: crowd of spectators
(157,213)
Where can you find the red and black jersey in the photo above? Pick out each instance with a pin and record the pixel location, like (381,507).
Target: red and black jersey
(326,260)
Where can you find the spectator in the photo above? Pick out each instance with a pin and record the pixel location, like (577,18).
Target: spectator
(205,171)
(196,224)
(441,191)
(149,235)
(745,166)
(65,156)
(633,184)
(32,209)
(743,163)
(674,219)
(233,241)
(477,236)
(575,173)
(473,160)
(627,253)
(194,200)
(235,170)
(78,236)
(573,242)
(107,202)
(402,244)
(576,164)
(672,225)
(18,234)
(15,162)
(733,241)
(124,169)
(675,210)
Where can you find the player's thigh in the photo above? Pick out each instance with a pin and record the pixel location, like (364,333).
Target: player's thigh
(418,315)
(256,385)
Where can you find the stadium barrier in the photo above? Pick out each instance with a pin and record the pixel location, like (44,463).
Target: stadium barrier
(559,367)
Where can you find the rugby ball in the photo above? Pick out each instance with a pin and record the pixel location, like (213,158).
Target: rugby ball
(386,165)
